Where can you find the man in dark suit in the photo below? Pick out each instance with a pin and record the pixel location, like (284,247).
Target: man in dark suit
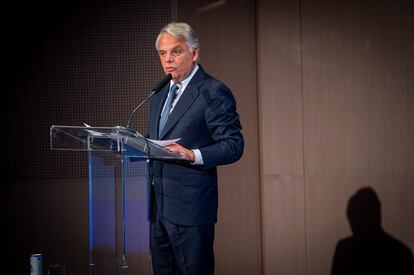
(202,112)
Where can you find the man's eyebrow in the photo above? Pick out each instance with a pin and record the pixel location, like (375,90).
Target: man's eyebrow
(177,48)
(173,49)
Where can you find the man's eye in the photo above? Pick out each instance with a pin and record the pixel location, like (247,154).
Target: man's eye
(176,52)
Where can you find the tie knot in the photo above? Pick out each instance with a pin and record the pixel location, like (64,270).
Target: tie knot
(174,89)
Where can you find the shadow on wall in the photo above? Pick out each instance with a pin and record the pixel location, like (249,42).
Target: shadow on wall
(370,250)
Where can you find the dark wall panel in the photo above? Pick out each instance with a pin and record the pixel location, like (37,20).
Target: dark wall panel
(69,63)
(72,63)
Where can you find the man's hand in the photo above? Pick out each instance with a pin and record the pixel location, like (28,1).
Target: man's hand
(187,154)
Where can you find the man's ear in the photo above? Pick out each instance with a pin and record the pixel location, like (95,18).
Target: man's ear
(195,54)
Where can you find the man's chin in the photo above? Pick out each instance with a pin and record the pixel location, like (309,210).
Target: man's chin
(175,77)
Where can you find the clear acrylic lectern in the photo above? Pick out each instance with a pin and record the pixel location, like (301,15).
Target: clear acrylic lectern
(118,187)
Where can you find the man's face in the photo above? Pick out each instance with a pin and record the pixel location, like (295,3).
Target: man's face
(176,57)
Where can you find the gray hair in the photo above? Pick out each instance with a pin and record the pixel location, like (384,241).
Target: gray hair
(183,32)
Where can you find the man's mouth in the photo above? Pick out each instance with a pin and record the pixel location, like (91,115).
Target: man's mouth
(169,69)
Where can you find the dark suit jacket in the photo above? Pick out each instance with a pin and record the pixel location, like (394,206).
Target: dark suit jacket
(205,118)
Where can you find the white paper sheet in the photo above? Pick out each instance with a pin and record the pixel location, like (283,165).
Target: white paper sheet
(164,143)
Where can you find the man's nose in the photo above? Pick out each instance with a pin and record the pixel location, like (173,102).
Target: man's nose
(169,58)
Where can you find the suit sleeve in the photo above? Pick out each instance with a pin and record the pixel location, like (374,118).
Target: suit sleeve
(224,126)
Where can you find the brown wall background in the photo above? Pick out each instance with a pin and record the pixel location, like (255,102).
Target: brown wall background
(227,38)
(324,90)
(336,108)
(335,113)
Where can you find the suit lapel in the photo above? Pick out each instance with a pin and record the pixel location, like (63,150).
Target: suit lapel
(185,101)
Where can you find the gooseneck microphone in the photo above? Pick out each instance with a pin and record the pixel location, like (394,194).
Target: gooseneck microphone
(157,88)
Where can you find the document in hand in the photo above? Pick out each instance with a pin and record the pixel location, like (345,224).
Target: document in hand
(164,143)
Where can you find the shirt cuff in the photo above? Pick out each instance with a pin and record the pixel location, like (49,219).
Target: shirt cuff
(198,157)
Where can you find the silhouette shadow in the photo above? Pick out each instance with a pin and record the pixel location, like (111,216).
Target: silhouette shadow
(370,250)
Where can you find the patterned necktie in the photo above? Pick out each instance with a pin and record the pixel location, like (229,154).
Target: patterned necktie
(168,105)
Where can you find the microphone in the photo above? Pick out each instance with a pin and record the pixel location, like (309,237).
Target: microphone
(157,88)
